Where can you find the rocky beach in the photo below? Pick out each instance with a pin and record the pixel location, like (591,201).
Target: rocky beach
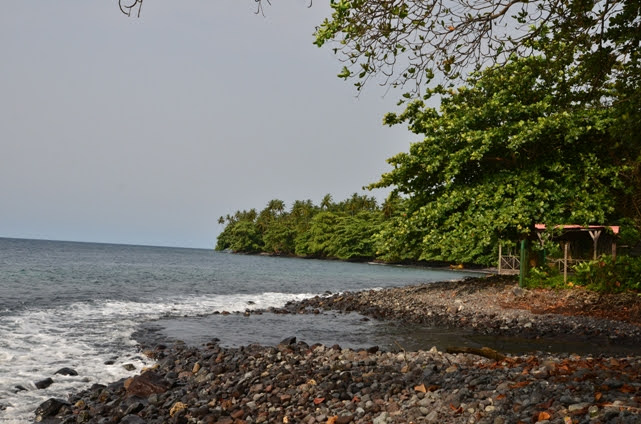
(301,382)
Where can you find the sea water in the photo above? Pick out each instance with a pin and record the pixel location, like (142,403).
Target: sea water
(79,305)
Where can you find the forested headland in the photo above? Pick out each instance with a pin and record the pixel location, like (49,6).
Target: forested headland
(344,230)
(538,120)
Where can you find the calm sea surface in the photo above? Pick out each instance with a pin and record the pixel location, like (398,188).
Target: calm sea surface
(81,305)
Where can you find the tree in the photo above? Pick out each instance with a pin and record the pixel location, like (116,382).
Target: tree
(241,234)
(357,203)
(271,212)
(279,237)
(354,236)
(512,148)
(406,42)
(319,239)
(327,202)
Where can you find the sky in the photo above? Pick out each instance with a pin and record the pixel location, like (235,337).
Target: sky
(145,131)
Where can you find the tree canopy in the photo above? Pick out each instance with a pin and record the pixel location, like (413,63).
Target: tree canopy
(343,230)
(509,149)
(406,42)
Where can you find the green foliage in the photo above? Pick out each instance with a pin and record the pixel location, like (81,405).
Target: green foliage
(343,230)
(545,277)
(406,43)
(511,149)
(609,275)
(605,275)
(279,238)
(354,236)
(630,233)
(240,233)
(321,234)
(245,237)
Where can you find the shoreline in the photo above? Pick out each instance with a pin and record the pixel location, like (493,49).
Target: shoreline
(298,383)
(495,306)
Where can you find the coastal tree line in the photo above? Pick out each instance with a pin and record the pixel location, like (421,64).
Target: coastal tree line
(526,142)
(342,230)
(538,120)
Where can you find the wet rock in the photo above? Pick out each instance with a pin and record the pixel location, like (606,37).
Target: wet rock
(67,371)
(287,341)
(43,384)
(49,408)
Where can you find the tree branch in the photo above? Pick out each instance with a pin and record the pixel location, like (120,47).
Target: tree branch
(127,8)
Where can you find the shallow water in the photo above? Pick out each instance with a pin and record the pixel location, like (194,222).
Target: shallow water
(354,331)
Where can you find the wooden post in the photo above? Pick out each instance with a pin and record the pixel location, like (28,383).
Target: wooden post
(542,241)
(523,264)
(500,257)
(614,250)
(565,261)
(595,238)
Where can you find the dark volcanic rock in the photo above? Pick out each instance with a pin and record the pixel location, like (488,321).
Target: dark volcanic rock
(19,388)
(132,419)
(67,371)
(43,384)
(49,408)
(288,341)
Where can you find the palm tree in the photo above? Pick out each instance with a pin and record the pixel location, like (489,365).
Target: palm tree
(327,202)
(276,205)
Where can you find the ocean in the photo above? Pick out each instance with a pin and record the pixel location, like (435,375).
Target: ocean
(88,306)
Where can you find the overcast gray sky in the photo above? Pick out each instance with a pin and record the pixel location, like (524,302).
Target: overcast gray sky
(145,131)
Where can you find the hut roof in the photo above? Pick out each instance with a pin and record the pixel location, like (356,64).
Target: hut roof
(575,227)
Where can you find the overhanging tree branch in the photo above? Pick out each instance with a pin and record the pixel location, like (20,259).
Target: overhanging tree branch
(126,6)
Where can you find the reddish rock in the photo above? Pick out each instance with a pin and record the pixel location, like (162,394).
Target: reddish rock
(185,374)
(146,384)
(345,419)
(285,398)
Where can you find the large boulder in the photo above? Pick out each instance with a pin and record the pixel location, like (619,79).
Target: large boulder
(49,408)
(146,384)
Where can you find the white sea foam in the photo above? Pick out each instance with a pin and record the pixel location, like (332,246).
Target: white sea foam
(34,344)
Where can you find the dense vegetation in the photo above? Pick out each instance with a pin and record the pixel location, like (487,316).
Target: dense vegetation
(545,128)
(513,147)
(343,230)
(605,274)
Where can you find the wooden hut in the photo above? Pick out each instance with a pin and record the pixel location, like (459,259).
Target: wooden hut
(580,243)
